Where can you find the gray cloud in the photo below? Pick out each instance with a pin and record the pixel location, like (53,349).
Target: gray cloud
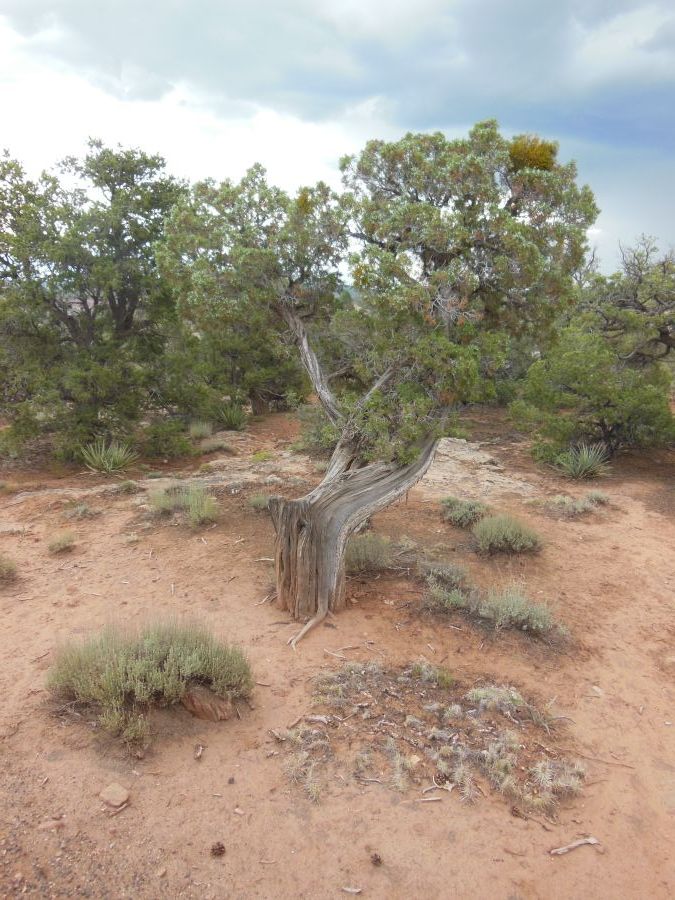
(594,74)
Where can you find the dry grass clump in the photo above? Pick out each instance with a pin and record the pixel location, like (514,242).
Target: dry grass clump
(62,542)
(8,569)
(504,534)
(569,507)
(368,552)
(463,513)
(409,728)
(200,430)
(192,500)
(80,511)
(120,676)
(212,445)
(259,502)
(508,607)
(127,487)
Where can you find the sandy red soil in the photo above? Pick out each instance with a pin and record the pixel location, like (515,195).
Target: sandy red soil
(610,578)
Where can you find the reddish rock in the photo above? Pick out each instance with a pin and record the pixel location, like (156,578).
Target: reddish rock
(204,704)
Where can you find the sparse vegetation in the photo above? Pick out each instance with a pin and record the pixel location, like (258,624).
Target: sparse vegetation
(198,507)
(121,676)
(101,456)
(436,729)
(505,608)
(463,513)
(127,487)
(504,534)
(262,456)
(200,430)
(259,502)
(368,552)
(212,445)
(62,542)
(80,511)
(584,461)
(569,507)
(8,569)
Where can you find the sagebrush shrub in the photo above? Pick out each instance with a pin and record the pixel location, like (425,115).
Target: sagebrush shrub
(463,513)
(61,543)
(368,552)
(259,502)
(121,676)
(199,430)
(199,507)
(504,534)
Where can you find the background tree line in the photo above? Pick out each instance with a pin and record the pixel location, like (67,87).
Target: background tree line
(132,302)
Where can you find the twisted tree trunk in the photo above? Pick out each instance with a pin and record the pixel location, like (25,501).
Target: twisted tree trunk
(312,532)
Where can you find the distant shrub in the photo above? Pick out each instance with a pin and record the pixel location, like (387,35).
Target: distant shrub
(259,502)
(231,416)
(198,507)
(121,676)
(504,534)
(584,461)
(368,552)
(448,575)
(262,456)
(61,543)
(200,430)
(212,445)
(101,456)
(80,511)
(127,487)
(165,439)
(318,435)
(8,569)
(463,513)
(568,507)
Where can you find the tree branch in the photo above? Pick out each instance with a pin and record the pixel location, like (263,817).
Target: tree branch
(311,363)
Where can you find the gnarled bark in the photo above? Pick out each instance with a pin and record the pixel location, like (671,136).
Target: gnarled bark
(312,532)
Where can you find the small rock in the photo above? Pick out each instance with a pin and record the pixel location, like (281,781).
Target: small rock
(376,859)
(115,795)
(160,873)
(204,704)
(230,780)
(238,811)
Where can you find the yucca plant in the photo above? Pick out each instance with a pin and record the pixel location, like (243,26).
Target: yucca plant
(232,417)
(584,461)
(101,456)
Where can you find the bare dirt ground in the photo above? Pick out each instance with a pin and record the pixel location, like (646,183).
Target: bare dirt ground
(609,577)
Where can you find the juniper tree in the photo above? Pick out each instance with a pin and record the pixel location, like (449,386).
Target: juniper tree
(452,246)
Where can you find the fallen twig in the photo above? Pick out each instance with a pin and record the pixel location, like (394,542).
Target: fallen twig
(336,655)
(559,851)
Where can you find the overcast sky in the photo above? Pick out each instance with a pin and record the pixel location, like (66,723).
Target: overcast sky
(216,85)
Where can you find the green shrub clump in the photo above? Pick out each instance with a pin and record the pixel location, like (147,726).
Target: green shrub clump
(101,456)
(463,513)
(504,534)
(199,507)
(368,552)
(121,676)
(584,461)
(166,440)
(259,502)
(200,430)
(231,417)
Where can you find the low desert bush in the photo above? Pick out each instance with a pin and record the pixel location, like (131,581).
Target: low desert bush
(262,456)
(62,542)
(127,487)
(504,534)
(212,445)
(121,676)
(191,499)
(368,552)
(259,502)
(462,513)
(101,456)
(569,507)
(584,461)
(80,511)
(8,569)
(505,608)
(231,417)
(200,430)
